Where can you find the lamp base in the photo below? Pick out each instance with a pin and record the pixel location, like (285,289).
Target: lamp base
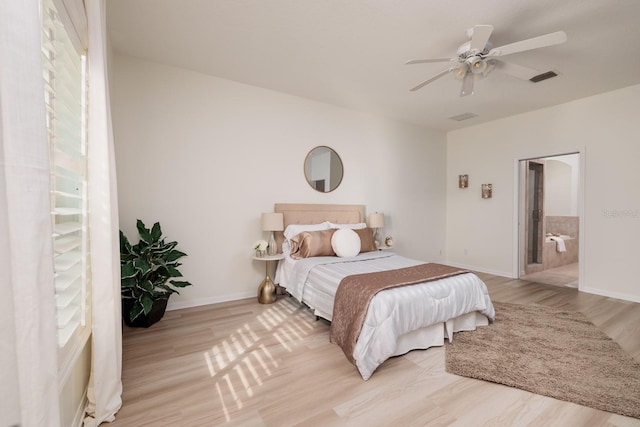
(272,248)
(267,291)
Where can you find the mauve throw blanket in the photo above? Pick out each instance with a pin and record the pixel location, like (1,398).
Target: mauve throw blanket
(355,292)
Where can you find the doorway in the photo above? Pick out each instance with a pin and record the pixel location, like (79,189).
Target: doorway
(549,219)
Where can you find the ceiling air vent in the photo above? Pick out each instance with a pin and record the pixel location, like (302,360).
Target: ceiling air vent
(543,76)
(464,116)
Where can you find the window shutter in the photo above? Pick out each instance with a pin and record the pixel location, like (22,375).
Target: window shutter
(64,73)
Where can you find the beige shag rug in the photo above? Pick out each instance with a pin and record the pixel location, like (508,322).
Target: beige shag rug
(551,352)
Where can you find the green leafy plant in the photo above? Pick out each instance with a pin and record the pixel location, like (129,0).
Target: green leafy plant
(147,269)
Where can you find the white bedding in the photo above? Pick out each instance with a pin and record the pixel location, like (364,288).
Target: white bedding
(397,317)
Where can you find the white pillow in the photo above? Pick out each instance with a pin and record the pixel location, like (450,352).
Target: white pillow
(357,226)
(286,247)
(345,243)
(295,229)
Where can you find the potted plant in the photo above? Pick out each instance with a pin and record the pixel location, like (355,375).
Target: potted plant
(146,270)
(260,246)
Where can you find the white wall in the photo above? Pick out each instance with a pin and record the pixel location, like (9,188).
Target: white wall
(205,156)
(561,180)
(604,128)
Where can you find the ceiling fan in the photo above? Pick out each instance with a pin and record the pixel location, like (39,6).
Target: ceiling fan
(477,57)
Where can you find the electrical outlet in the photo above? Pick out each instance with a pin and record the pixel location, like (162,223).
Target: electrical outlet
(465,252)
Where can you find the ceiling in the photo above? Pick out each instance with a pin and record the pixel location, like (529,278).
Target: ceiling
(352,53)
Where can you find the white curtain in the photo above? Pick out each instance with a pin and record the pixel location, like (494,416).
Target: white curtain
(28,348)
(105,387)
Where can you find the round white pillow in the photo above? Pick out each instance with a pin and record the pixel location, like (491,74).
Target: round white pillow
(345,243)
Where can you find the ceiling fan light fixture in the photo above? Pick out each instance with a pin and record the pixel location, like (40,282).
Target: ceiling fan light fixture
(490,66)
(476,64)
(460,72)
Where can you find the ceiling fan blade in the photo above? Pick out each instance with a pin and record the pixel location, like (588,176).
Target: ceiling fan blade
(480,36)
(436,77)
(426,61)
(529,44)
(467,85)
(515,70)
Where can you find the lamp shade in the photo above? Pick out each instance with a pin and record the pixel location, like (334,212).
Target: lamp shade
(273,221)
(376,220)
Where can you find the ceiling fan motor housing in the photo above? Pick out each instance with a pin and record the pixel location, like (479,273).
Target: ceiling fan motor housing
(464,51)
(473,59)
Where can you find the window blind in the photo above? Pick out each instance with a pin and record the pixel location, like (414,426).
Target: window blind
(64,72)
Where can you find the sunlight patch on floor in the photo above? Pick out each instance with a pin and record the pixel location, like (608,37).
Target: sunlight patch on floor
(243,360)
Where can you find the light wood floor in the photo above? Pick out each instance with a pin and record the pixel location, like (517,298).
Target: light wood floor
(242,363)
(566,275)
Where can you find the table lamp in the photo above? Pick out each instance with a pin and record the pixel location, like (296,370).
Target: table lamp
(271,222)
(375,221)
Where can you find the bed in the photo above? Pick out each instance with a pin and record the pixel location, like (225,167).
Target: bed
(398,319)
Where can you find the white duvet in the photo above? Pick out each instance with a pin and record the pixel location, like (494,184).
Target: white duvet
(392,313)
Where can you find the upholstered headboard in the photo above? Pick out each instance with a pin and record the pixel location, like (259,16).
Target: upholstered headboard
(302,213)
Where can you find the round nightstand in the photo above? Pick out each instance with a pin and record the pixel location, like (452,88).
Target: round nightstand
(267,289)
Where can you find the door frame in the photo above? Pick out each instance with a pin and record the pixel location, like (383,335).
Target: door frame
(525,265)
(519,213)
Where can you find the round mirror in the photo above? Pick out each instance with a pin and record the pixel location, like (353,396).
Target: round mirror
(323,169)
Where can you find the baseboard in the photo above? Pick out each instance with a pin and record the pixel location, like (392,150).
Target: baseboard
(508,274)
(243,295)
(206,301)
(609,294)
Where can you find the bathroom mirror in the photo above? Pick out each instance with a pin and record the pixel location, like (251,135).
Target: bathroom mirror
(323,169)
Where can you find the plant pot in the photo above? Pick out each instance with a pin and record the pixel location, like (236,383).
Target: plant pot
(157,311)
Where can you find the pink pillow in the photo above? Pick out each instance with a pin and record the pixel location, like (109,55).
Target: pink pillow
(367,244)
(312,243)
